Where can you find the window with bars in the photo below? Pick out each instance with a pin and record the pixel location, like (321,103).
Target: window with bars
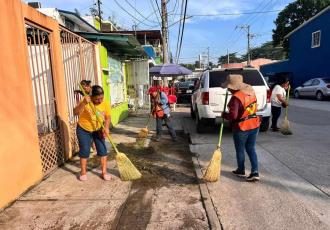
(316,39)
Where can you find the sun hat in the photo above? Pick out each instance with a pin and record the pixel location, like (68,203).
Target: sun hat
(235,82)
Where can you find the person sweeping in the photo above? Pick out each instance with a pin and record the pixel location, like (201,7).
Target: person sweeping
(286,129)
(245,123)
(213,170)
(89,129)
(278,101)
(161,112)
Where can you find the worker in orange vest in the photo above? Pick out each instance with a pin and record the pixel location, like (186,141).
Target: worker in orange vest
(245,123)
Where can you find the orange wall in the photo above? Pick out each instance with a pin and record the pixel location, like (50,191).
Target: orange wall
(20,163)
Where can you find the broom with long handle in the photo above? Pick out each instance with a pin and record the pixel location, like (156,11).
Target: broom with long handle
(145,131)
(285,129)
(126,168)
(212,173)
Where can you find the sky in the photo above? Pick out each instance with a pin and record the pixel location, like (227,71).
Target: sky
(218,33)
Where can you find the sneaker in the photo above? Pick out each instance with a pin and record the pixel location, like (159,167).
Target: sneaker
(157,139)
(253,177)
(175,139)
(239,173)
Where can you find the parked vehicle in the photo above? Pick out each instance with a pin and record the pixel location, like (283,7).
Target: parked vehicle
(185,90)
(318,88)
(207,101)
(185,87)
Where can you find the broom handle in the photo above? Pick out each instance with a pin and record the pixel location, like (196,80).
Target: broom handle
(287,100)
(223,120)
(99,119)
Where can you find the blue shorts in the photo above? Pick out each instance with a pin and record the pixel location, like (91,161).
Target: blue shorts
(85,141)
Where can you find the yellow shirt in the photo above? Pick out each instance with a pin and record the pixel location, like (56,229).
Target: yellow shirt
(87,118)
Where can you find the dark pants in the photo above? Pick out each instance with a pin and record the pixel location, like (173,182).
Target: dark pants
(276,113)
(169,125)
(85,139)
(246,141)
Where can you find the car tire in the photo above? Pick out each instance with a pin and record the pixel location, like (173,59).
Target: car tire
(319,96)
(264,126)
(200,126)
(296,94)
(192,113)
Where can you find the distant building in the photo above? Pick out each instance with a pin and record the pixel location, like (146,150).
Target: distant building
(254,63)
(309,55)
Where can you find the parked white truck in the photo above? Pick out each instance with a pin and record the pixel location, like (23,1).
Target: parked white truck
(208,99)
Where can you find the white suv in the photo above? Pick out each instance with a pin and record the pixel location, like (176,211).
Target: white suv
(208,99)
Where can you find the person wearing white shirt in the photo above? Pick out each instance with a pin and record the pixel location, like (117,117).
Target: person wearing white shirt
(278,100)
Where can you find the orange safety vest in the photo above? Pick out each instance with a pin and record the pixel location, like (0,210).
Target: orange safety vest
(249,120)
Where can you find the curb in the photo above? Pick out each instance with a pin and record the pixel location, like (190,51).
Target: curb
(211,213)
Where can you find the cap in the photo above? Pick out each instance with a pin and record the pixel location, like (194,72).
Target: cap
(152,90)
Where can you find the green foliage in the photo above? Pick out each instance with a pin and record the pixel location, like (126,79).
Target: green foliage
(267,50)
(293,16)
(232,58)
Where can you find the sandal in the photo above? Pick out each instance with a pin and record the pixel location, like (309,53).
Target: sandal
(82,177)
(106,177)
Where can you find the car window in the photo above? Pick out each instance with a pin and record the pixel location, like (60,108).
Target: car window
(251,77)
(326,80)
(315,82)
(308,83)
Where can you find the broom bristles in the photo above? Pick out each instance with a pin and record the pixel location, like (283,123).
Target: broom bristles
(143,133)
(285,129)
(126,168)
(212,173)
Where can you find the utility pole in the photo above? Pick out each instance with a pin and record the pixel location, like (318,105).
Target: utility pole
(164,36)
(164,31)
(99,12)
(249,37)
(227,57)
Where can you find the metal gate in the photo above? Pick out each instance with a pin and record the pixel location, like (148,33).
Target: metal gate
(79,63)
(50,138)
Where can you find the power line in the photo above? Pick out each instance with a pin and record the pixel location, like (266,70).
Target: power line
(233,14)
(131,14)
(145,18)
(149,17)
(183,24)
(179,33)
(155,10)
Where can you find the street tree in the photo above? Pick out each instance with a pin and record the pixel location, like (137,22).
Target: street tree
(266,50)
(233,58)
(292,16)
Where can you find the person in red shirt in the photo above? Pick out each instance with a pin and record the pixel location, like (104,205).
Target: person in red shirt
(245,123)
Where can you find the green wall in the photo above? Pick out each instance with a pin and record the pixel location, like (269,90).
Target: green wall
(119,112)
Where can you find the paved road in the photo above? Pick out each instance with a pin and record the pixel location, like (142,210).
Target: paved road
(294,192)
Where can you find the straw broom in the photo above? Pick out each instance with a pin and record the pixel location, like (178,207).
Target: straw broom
(145,131)
(126,168)
(285,129)
(212,173)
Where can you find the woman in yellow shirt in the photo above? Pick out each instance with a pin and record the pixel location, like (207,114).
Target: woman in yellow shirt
(89,128)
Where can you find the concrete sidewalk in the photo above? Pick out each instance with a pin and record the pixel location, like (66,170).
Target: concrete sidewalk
(281,200)
(167,196)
